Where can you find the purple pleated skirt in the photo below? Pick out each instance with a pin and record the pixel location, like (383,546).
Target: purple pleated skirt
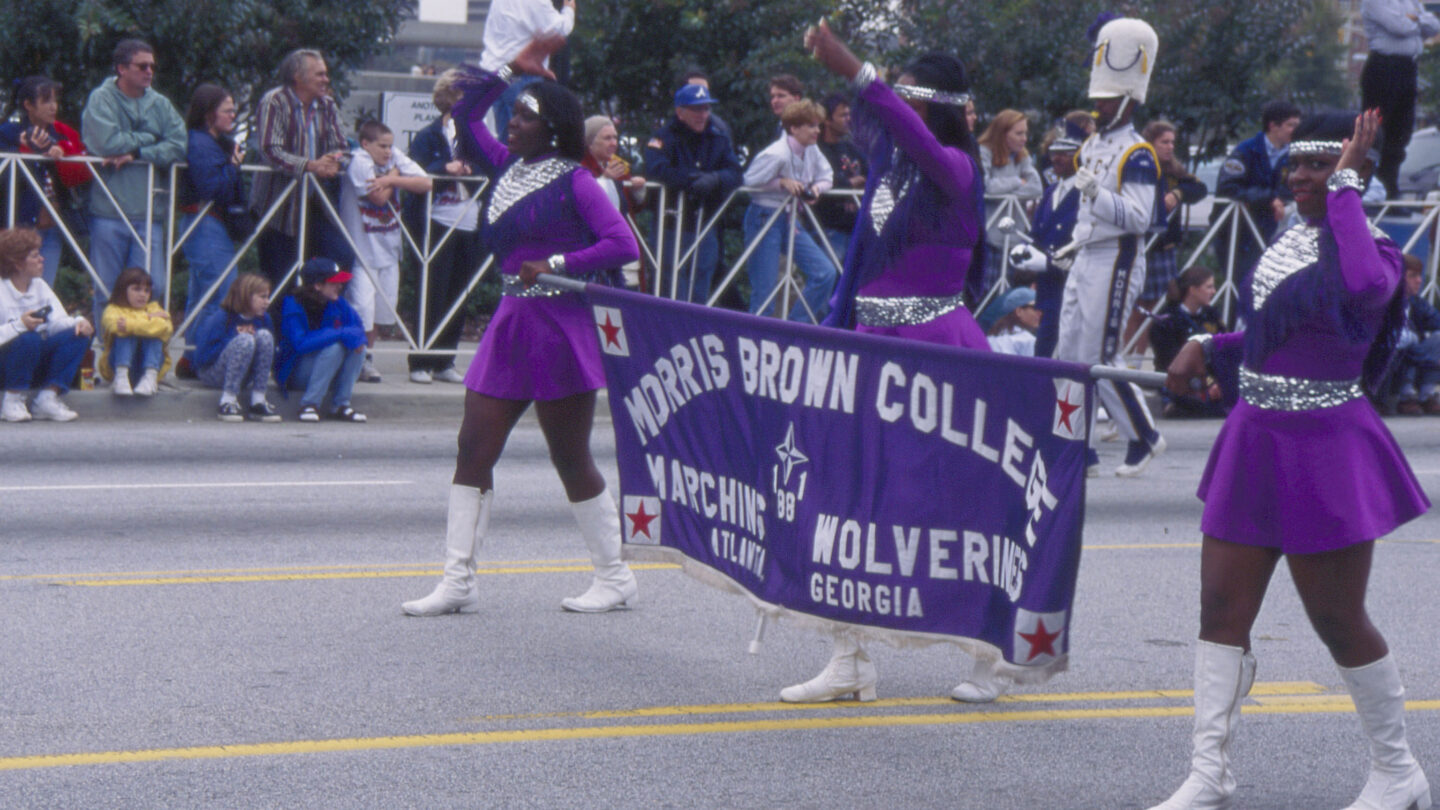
(1307,481)
(955,328)
(538,348)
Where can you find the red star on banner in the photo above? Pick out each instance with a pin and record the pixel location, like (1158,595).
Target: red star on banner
(1067,409)
(1040,641)
(641,521)
(611,332)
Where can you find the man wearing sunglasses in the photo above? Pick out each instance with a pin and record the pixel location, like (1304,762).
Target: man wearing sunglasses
(130,125)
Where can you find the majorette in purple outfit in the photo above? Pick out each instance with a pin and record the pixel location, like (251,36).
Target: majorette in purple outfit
(1304,468)
(913,254)
(916,253)
(1317,471)
(543,214)
(542,343)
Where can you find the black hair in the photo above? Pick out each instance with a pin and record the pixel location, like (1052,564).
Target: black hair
(789,84)
(1192,277)
(206,99)
(371,130)
(126,49)
(1277,112)
(561,111)
(941,71)
(835,101)
(33,89)
(1327,125)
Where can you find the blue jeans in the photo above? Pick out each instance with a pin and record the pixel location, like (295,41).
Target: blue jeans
(505,105)
(51,243)
(332,370)
(125,350)
(839,242)
(1417,368)
(207,252)
(34,361)
(696,273)
(765,266)
(113,248)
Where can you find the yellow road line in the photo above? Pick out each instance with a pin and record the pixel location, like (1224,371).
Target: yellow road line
(279,568)
(1297,690)
(635,731)
(194,485)
(427,572)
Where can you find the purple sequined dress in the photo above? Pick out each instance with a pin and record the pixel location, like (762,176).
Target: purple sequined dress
(1303,463)
(541,343)
(914,250)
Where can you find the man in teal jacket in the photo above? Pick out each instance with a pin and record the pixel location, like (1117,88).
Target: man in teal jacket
(130,125)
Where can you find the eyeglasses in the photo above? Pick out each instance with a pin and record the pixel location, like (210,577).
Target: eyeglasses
(148,67)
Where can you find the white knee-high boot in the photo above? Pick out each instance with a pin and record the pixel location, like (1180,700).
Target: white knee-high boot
(850,672)
(1223,677)
(466,521)
(1396,781)
(614,583)
(981,686)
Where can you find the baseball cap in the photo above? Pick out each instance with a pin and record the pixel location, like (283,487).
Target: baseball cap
(321,269)
(693,95)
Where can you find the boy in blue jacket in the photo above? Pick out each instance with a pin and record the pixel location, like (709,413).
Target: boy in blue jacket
(322,343)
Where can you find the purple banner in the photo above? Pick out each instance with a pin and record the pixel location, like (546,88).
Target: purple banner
(905,487)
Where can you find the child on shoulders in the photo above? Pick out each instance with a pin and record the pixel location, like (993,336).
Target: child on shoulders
(135,331)
(235,350)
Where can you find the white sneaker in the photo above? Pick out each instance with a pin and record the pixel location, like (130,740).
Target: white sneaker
(13,409)
(368,372)
(449,375)
(420,376)
(148,384)
(121,387)
(48,406)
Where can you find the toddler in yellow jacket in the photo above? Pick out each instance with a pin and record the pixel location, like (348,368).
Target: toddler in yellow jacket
(136,332)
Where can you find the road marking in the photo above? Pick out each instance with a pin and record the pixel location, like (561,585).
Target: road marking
(352,744)
(215,485)
(1295,689)
(426,572)
(280,568)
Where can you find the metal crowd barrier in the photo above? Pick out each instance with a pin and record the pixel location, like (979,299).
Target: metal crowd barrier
(665,239)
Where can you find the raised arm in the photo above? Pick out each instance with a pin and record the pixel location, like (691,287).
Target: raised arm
(948,167)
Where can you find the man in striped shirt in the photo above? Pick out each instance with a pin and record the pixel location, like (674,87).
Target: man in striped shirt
(298,124)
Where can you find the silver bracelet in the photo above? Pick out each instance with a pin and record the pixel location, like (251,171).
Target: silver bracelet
(506,73)
(864,78)
(557,264)
(1346,178)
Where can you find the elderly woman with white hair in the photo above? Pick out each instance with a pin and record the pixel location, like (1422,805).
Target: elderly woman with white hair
(602,140)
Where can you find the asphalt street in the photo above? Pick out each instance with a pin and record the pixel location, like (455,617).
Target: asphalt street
(206,615)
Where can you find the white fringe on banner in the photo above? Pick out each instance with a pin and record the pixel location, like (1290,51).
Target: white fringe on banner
(900,639)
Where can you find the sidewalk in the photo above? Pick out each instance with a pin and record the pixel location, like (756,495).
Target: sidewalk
(393,399)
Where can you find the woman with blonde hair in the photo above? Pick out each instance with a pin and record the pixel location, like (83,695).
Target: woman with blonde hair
(1009,172)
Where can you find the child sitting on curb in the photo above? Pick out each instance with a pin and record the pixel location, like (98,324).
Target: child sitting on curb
(235,350)
(135,331)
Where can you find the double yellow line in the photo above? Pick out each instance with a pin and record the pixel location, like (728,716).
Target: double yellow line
(1267,698)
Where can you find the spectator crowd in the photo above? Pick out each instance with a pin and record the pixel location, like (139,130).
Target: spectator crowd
(334,212)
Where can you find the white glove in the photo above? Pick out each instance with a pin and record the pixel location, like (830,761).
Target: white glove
(1064,257)
(1024,257)
(1088,182)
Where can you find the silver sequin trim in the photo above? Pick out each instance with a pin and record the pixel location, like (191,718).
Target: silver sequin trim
(907,311)
(1276,393)
(915,92)
(1316,147)
(1295,250)
(515,288)
(522,179)
(883,203)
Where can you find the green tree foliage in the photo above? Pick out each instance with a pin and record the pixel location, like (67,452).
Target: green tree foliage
(1314,75)
(629,55)
(236,43)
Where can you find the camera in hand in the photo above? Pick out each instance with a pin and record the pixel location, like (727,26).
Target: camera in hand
(43,313)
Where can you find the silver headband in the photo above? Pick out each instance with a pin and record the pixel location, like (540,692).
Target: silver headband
(530,102)
(1316,147)
(915,92)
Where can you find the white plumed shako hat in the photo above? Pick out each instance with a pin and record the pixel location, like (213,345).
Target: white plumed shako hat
(1123,59)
